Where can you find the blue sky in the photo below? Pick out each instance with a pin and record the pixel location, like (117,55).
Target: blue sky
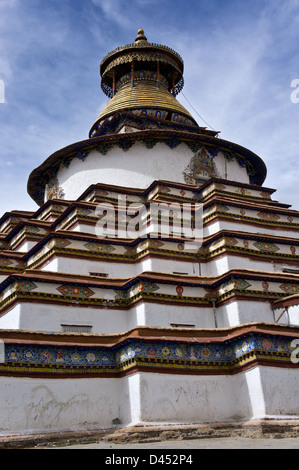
(240,59)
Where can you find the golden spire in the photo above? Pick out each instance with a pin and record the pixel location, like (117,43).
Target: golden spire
(141,37)
(146,56)
(143,77)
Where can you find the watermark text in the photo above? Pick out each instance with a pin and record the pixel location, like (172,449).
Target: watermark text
(295,92)
(295,352)
(2,91)
(153,220)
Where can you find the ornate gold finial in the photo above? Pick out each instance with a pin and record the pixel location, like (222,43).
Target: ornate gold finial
(140,36)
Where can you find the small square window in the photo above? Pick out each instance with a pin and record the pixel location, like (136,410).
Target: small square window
(182,325)
(99,274)
(76,328)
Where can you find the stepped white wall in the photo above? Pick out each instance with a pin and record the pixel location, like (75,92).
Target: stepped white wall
(114,269)
(49,318)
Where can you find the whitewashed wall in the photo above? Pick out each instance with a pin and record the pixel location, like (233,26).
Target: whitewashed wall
(226,263)
(215,227)
(47,405)
(257,393)
(242,312)
(49,318)
(120,270)
(288,315)
(60,404)
(137,168)
(214,267)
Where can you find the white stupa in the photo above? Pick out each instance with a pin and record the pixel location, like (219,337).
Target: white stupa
(151,326)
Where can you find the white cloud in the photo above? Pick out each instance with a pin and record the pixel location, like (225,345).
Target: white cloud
(114,11)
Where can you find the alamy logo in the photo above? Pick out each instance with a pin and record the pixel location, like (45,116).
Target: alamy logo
(295,93)
(154,220)
(2,92)
(295,352)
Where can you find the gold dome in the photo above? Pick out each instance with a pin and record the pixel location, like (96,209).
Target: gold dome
(144,95)
(143,77)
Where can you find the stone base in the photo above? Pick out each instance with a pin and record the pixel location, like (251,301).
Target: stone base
(257,429)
